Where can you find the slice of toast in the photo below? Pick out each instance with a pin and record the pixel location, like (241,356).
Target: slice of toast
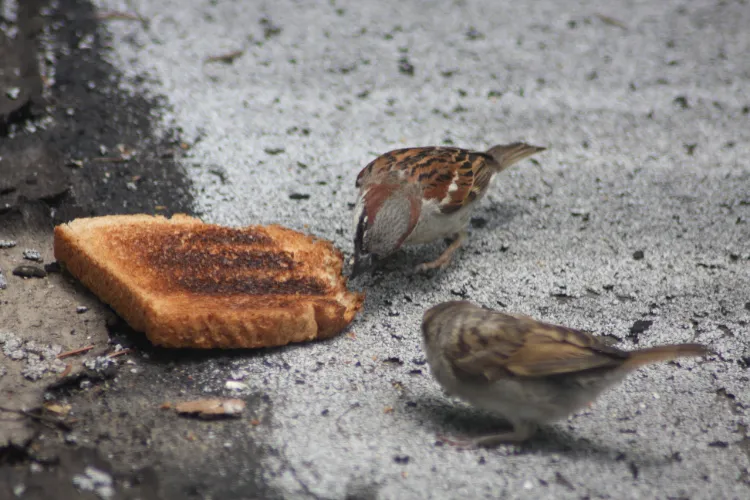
(189,284)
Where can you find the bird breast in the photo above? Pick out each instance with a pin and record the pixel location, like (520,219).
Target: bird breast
(433,224)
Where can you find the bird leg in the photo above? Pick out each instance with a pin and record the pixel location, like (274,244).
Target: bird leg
(445,258)
(520,433)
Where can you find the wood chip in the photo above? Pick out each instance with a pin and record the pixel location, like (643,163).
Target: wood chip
(211,408)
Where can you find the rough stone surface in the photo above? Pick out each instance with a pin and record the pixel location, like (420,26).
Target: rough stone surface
(644,108)
(633,224)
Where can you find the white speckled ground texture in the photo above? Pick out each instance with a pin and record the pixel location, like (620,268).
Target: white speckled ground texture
(620,107)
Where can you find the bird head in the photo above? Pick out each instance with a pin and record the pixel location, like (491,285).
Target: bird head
(384,217)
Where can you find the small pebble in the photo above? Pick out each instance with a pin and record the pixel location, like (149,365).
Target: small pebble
(233,385)
(30,272)
(3,282)
(96,481)
(34,255)
(638,255)
(7,243)
(579,211)
(81,309)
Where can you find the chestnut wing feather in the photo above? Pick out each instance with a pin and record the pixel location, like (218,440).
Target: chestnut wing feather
(452,176)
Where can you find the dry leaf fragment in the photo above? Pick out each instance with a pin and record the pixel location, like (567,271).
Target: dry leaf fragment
(57,408)
(388,409)
(211,408)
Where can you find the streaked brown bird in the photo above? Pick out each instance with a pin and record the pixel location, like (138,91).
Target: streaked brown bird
(529,372)
(419,195)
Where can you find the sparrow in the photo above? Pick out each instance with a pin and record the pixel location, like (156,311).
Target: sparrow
(419,195)
(529,372)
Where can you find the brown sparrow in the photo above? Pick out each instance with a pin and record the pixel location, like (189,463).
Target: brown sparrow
(418,195)
(528,371)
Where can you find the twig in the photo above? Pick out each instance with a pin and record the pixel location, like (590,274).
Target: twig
(118,353)
(288,465)
(116,15)
(40,418)
(111,159)
(611,21)
(338,420)
(227,58)
(74,352)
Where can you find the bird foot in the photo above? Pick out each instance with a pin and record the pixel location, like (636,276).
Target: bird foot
(458,443)
(445,258)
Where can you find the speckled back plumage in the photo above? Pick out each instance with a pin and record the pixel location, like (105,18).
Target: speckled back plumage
(453,177)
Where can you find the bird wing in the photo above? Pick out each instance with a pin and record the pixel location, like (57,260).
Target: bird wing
(451,176)
(502,345)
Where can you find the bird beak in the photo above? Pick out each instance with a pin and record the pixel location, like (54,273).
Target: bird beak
(362,263)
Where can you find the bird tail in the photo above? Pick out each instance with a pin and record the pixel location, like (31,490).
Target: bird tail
(509,154)
(663,353)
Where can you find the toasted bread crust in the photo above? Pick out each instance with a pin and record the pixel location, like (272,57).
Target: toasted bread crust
(189,284)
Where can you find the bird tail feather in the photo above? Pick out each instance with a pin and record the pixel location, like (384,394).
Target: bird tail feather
(664,353)
(510,154)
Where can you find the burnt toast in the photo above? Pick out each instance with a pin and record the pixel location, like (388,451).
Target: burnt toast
(190,284)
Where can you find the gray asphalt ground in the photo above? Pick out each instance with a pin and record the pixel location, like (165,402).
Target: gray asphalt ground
(645,109)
